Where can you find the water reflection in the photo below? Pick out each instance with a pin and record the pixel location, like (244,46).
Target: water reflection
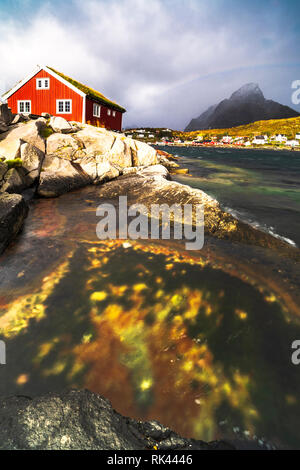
(162,335)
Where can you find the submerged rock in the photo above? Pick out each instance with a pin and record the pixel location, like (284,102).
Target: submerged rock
(13,211)
(86,421)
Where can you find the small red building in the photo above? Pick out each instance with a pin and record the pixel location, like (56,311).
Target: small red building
(47,91)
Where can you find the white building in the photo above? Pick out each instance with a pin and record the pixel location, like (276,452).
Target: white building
(247,144)
(292,143)
(259,140)
(227,139)
(280,138)
(297,136)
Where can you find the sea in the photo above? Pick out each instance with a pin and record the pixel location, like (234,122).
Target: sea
(261,187)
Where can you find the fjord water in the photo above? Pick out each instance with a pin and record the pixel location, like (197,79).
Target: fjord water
(261,187)
(200,341)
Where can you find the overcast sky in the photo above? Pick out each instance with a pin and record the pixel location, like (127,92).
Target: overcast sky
(165,61)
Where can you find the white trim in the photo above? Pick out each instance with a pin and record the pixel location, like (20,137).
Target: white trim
(33,73)
(98,108)
(24,102)
(43,81)
(84,110)
(21,83)
(65,82)
(63,101)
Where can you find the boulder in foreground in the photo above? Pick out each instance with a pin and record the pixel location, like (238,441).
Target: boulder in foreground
(86,421)
(13,211)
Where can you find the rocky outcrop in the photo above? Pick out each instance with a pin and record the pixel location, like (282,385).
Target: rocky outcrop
(89,156)
(59,175)
(59,156)
(65,146)
(29,132)
(14,181)
(85,421)
(3,127)
(60,124)
(13,211)
(6,116)
(53,156)
(32,158)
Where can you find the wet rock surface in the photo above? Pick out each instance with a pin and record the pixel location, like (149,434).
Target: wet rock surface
(13,211)
(153,185)
(85,420)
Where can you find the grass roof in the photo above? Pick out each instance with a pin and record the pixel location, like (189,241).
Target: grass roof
(90,92)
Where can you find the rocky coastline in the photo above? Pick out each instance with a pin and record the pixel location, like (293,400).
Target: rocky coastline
(46,157)
(49,156)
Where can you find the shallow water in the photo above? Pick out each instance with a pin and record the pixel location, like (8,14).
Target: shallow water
(260,186)
(199,341)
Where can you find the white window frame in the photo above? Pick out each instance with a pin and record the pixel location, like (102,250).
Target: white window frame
(43,83)
(24,102)
(64,105)
(114,113)
(96,110)
(109,112)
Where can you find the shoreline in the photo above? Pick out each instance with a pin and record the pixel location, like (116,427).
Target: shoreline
(60,165)
(228,146)
(182,171)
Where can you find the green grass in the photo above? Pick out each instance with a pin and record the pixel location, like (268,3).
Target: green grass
(46,132)
(17,162)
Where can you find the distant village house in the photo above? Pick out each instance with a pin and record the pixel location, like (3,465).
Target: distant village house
(259,140)
(280,138)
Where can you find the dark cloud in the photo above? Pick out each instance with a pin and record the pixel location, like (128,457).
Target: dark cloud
(164,60)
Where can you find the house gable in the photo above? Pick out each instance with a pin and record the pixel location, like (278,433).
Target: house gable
(45,100)
(34,72)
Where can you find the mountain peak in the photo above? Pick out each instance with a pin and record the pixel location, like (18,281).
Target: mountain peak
(245,105)
(250,90)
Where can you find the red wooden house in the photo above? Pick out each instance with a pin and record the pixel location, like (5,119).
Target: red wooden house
(47,91)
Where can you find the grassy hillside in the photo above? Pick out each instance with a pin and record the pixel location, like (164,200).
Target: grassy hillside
(274,126)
